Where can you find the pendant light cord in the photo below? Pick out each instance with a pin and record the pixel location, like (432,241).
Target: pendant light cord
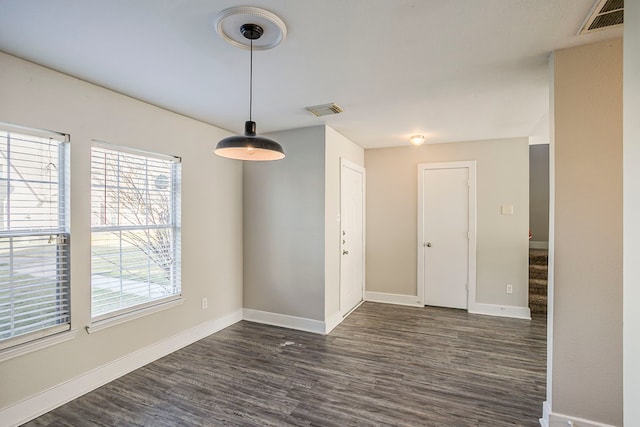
(251,80)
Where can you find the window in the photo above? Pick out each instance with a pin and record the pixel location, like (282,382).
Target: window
(34,235)
(135,230)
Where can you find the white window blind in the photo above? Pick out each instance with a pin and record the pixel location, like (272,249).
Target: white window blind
(135,230)
(34,235)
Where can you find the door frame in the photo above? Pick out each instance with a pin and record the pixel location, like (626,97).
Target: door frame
(471,273)
(344,163)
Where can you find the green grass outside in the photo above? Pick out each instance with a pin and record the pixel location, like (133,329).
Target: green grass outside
(134,269)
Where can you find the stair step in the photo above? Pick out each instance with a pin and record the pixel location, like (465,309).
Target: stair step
(538,304)
(538,257)
(538,309)
(538,271)
(538,287)
(538,275)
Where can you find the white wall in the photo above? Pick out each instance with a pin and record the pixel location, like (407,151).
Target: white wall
(284,227)
(337,147)
(37,97)
(631,197)
(502,243)
(586,373)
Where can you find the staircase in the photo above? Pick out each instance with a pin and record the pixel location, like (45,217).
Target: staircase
(538,281)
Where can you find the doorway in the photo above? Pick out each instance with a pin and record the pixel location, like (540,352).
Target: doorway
(352,187)
(447,234)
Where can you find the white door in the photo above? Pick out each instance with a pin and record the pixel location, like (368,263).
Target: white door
(352,181)
(445,236)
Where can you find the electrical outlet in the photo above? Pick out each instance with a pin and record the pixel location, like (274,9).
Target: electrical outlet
(205,304)
(509,288)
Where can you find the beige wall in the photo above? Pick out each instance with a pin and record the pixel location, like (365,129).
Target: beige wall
(587,313)
(539,192)
(211,217)
(337,147)
(284,227)
(631,199)
(502,241)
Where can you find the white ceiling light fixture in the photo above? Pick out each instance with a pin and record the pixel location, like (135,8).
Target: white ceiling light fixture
(244,27)
(417,140)
(229,21)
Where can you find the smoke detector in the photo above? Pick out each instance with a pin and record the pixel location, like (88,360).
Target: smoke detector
(605,14)
(324,109)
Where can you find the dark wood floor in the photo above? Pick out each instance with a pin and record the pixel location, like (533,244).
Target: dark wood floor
(384,365)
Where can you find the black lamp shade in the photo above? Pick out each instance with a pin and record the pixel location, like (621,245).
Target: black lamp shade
(249,146)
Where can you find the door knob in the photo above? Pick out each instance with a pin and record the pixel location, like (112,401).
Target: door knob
(428,244)
(345,252)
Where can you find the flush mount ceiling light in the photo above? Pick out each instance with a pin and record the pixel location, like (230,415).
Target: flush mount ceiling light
(250,146)
(417,139)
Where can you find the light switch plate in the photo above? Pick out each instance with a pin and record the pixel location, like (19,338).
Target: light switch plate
(507,209)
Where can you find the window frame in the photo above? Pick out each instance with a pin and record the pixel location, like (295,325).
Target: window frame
(114,317)
(22,343)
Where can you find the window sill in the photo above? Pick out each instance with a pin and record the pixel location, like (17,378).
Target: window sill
(122,318)
(28,347)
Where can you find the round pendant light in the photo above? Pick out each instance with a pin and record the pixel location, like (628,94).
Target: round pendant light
(249,146)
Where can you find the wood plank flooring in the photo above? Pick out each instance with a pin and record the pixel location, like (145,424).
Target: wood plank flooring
(384,365)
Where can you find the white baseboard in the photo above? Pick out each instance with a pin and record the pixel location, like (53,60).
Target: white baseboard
(501,310)
(294,322)
(333,321)
(538,245)
(399,299)
(544,421)
(47,400)
(284,321)
(477,308)
(551,419)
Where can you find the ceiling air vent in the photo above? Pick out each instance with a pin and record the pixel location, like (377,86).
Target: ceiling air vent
(324,109)
(605,14)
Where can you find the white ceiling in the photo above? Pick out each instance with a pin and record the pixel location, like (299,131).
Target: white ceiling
(452,70)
